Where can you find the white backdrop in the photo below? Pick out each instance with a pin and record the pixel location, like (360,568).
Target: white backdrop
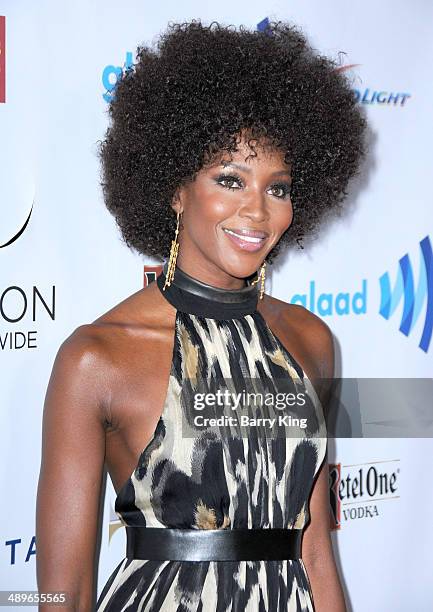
(69,265)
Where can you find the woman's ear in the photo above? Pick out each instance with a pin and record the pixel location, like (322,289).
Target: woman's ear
(177,201)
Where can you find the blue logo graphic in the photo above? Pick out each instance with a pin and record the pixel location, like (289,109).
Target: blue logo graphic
(264,25)
(413,299)
(114,71)
(328,304)
(397,98)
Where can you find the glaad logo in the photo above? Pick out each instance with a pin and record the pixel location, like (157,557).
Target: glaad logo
(111,74)
(413,299)
(2,59)
(326,304)
(355,493)
(355,303)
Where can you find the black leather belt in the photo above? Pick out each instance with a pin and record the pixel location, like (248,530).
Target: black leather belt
(160,544)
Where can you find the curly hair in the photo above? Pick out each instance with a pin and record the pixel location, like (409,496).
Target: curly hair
(186,101)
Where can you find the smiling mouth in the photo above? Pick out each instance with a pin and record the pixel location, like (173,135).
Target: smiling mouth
(247,240)
(253,236)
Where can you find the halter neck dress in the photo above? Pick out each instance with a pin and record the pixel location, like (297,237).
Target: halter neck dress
(234,475)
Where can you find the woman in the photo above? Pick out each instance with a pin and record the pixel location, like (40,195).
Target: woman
(226,146)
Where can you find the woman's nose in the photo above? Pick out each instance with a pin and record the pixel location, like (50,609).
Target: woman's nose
(255,207)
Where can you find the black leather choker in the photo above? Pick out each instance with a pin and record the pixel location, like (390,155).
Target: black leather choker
(188,294)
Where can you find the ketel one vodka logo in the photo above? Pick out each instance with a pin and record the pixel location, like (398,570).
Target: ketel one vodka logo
(356,491)
(417,300)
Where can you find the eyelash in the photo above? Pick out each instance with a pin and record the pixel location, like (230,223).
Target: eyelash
(284,186)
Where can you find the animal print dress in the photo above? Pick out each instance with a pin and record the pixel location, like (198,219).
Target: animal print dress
(239,470)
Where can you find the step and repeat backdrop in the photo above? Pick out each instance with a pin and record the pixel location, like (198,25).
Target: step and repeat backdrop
(369,276)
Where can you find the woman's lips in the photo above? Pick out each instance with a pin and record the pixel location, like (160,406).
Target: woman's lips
(245,243)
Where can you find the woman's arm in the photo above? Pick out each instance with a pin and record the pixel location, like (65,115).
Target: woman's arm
(317,552)
(69,488)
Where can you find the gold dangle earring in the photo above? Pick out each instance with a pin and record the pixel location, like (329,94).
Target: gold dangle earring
(261,276)
(173,256)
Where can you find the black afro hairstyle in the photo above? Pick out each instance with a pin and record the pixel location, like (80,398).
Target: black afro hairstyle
(185,102)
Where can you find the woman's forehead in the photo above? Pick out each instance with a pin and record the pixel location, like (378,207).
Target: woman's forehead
(250,153)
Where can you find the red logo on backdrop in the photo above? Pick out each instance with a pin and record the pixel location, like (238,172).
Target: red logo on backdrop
(2,59)
(151,273)
(357,490)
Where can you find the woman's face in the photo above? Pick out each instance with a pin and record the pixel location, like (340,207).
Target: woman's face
(241,195)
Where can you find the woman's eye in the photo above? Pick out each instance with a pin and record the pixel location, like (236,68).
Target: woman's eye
(280,191)
(228,181)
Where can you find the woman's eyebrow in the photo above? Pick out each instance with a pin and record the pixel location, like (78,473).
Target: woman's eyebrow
(246,169)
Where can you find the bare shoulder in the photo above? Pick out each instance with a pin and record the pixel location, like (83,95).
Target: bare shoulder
(139,314)
(306,334)
(78,372)
(94,352)
(298,316)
